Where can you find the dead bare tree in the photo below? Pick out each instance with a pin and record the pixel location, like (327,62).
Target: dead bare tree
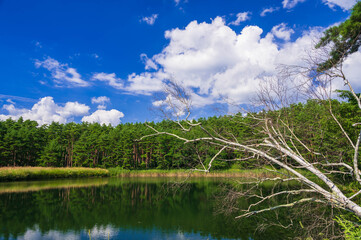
(277,144)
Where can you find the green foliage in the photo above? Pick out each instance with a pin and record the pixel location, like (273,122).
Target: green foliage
(24,143)
(345,39)
(347,95)
(352,230)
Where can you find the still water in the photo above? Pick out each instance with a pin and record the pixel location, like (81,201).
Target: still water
(120,208)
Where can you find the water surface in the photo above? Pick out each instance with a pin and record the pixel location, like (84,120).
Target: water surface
(120,208)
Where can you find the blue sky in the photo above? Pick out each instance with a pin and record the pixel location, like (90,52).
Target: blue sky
(104,61)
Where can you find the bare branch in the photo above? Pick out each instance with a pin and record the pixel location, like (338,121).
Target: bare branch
(355,159)
(340,125)
(280,206)
(215,156)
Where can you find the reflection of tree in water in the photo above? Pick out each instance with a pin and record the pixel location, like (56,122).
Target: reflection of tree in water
(134,205)
(307,220)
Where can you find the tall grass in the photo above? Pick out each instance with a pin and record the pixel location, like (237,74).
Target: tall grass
(34,173)
(118,172)
(30,173)
(38,185)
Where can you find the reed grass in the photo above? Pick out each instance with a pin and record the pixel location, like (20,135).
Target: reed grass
(249,173)
(35,173)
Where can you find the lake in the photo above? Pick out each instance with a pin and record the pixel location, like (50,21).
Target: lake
(122,208)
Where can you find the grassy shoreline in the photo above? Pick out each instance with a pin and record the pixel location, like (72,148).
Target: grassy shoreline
(249,173)
(38,185)
(37,173)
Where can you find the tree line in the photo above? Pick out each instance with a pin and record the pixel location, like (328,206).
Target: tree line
(25,143)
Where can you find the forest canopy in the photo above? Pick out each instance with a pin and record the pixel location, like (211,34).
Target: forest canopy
(25,143)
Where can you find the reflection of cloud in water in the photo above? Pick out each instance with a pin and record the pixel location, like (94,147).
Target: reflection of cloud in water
(51,235)
(103,232)
(177,236)
(96,232)
(109,232)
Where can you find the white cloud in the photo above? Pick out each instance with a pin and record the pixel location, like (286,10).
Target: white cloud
(49,63)
(269,10)
(145,83)
(214,62)
(177,109)
(10,101)
(149,63)
(72,109)
(101,101)
(62,74)
(97,232)
(150,20)
(104,117)
(291,3)
(46,111)
(281,31)
(110,78)
(344,4)
(352,69)
(241,17)
(17,98)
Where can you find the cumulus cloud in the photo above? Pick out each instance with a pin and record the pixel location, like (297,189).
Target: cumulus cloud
(214,62)
(344,4)
(62,74)
(241,17)
(171,106)
(269,10)
(281,31)
(150,20)
(111,117)
(101,101)
(109,78)
(291,3)
(145,83)
(46,111)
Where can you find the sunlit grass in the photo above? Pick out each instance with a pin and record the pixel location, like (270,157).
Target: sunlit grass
(34,173)
(38,185)
(250,173)
(27,173)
